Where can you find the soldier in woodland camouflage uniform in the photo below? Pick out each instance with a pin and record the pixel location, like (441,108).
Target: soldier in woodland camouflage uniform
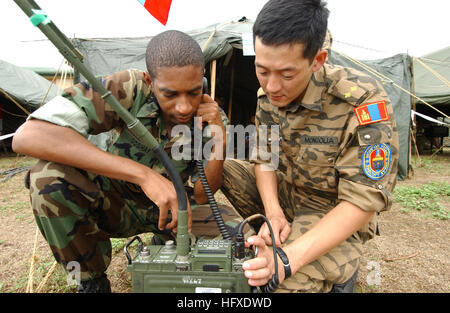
(337,161)
(82,196)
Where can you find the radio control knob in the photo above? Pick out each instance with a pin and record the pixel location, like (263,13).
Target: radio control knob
(145,251)
(170,244)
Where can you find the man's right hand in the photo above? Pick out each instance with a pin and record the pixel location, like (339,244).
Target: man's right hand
(280,227)
(267,184)
(162,192)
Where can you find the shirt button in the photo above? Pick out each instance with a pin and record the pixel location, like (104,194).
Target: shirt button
(330,160)
(380,186)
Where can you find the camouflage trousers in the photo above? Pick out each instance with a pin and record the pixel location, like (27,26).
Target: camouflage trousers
(78,212)
(303,212)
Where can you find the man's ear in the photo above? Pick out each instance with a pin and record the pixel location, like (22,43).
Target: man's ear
(148,80)
(319,59)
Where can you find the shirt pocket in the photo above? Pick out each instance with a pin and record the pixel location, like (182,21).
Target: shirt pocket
(316,168)
(375,134)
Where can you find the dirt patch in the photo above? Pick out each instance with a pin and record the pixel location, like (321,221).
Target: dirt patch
(411,255)
(412,251)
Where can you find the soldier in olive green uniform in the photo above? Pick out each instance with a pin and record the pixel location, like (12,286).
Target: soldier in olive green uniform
(82,196)
(337,161)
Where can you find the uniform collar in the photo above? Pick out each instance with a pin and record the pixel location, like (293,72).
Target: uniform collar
(312,100)
(150,109)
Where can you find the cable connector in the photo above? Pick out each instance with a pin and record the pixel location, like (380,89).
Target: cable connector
(239,247)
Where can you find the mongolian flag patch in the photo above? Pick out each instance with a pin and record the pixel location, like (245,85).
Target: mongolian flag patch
(376,160)
(372,112)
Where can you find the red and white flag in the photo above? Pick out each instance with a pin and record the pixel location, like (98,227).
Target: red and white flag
(159,9)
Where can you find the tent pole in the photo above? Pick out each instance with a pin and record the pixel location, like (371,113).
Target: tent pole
(14,101)
(213,79)
(413,104)
(417,150)
(230,101)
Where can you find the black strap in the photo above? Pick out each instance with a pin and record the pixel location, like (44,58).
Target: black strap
(285,260)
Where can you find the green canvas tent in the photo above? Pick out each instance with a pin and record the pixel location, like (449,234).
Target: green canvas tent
(432,76)
(21,91)
(235,80)
(24,85)
(431,85)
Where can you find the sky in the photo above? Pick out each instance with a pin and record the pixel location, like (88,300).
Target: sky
(362,29)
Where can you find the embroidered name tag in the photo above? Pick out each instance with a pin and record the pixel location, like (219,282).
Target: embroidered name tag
(319,140)
(372,112)
(376,161)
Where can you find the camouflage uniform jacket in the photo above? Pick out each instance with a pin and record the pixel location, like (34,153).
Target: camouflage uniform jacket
(324,148)
(91,115)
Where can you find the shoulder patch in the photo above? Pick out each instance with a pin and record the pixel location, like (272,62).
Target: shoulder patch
(371,112)
(376,160)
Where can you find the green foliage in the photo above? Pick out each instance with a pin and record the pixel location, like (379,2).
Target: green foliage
(13,160)
(58,282)
(117,244)
(432,164)
(427,197)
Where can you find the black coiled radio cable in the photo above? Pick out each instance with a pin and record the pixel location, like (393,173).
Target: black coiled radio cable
(212,201)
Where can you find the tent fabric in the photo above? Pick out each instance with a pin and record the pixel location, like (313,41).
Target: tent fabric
(108,55)
(25,86)
(427,85)
(105,56)
(398,69)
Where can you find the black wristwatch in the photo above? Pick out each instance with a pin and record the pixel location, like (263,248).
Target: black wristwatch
(285,260)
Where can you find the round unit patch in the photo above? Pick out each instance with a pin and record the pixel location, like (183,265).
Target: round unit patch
(376,160)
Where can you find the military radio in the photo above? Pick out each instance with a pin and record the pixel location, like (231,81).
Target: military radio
(187,266)
(209,267)
(206,266)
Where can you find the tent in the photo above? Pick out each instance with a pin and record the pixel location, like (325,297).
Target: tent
(21,92)
(432,87)
(235,83)
(25,86)
(431,77)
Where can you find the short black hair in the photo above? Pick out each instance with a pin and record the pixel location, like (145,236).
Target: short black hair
(293,21)
(172,48)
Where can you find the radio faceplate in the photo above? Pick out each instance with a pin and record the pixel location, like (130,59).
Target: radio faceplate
(210,266)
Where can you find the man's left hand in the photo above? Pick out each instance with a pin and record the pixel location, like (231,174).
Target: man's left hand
(260,269)
(209,113)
